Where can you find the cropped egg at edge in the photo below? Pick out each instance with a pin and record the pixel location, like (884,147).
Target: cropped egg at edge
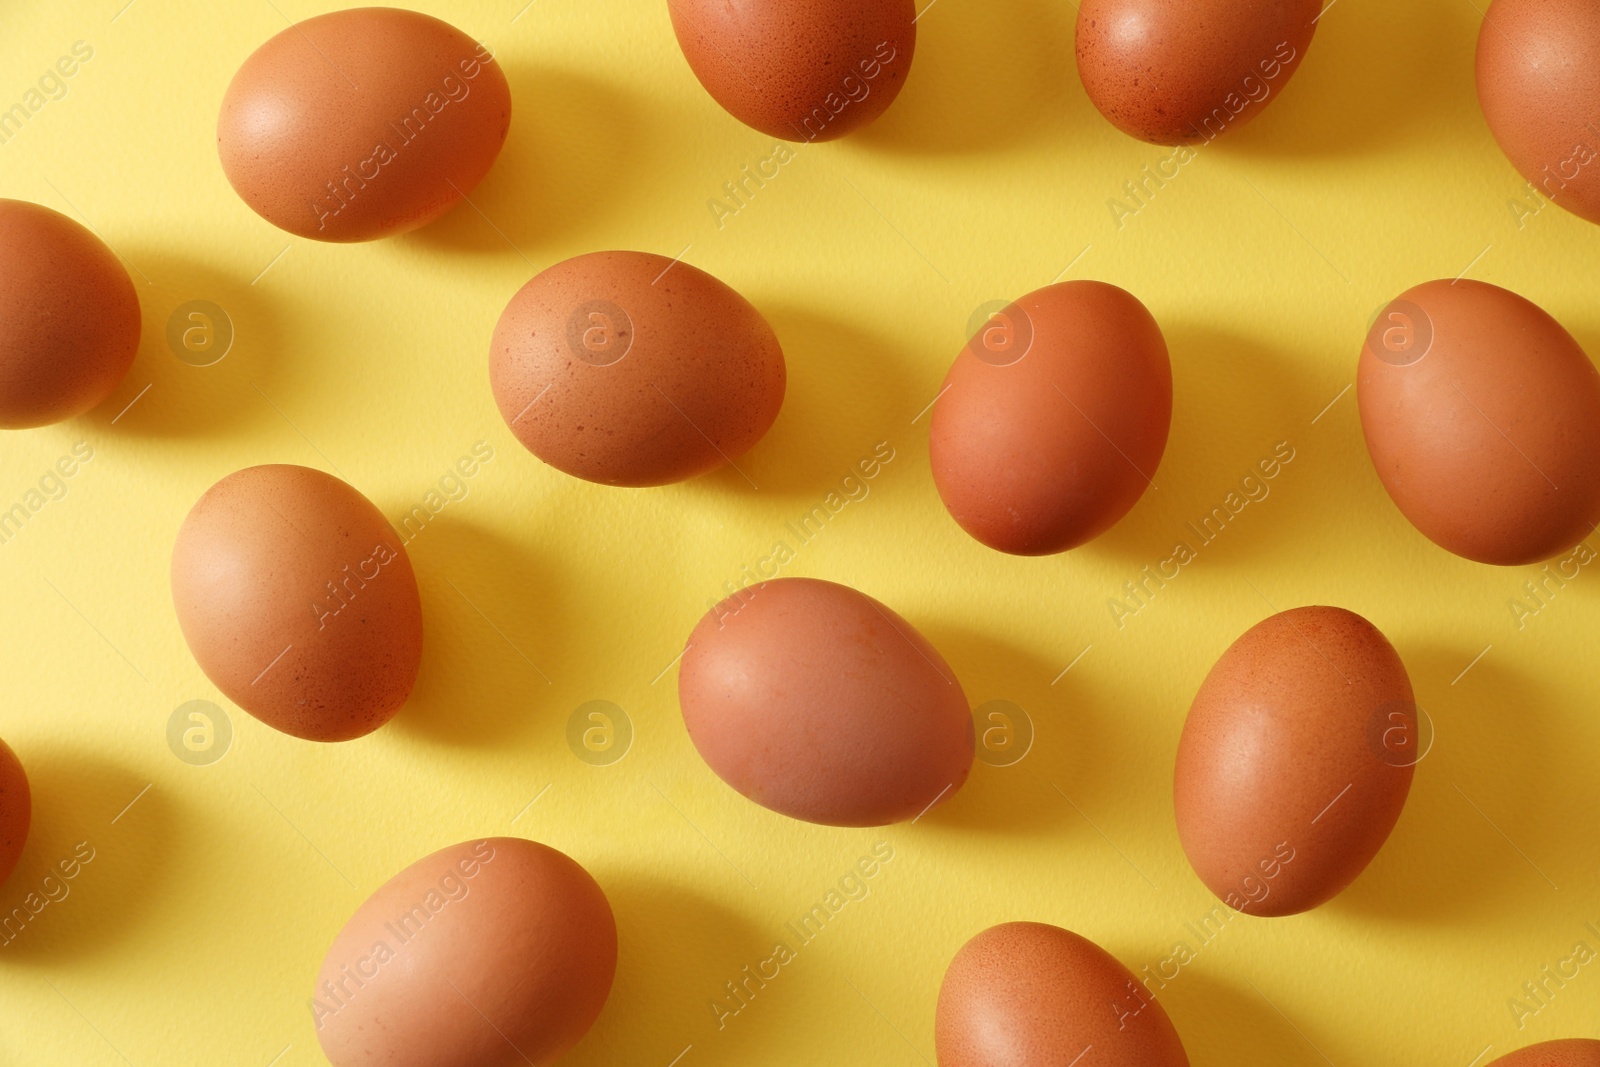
(1573,1052)
(72,320)
(16,810)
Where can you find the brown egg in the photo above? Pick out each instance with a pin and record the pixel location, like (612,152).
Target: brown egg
(1577,1052)
(1295,760)
(71,325)
(298,601)
(362,123)
(801,70)
(495,953)
(1482,416)
(818,702)
(626,368)
(1033,995)
(1177,72)
(1539,85)
(1053,419)
(16,811)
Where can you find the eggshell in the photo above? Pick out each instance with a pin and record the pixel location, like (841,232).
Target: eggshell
(801,70)
(1539,85)
(626,368)
(1482,417)
(1294,764)
(818,702)
(494,953)
(1028,994)
(1576,1052)
(1053,419)
(362,123)
(1177,72)
(71,325)
(16,811)
(298,601)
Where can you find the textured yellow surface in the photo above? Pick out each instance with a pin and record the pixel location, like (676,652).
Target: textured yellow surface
(193,934)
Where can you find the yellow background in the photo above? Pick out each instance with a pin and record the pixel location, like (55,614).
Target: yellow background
(194,934)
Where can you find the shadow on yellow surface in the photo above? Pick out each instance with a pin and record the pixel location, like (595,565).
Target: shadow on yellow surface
(1482,829)
(184,399)
(117,868)
(490,613)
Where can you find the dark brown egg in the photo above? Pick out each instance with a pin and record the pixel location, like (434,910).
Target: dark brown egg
(1027,994)
(1185,71)
(492,953)
(802,70)
(362,123)
(1575,1052)
(1053,419)
(16,810)
(1539,85)
(1295,760)
(627,368)
(70,325)
(818,702)
(298,601)
(1482,417)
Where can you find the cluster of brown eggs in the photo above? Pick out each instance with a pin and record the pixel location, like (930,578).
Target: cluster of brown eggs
(1481,415)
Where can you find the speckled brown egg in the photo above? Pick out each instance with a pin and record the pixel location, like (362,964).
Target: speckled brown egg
(70,324)
(1539,86)
(491,953)
(362,123)
(1027,994)
(1295,760)
(16,810)
(1186,71)
(627,368)
(298,601)
(816,701)
(1575,1052)
(1482,417)
(1053,419)
(801,70)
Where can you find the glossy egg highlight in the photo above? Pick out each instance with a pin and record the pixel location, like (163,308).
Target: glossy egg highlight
(1053,419)
(632,369)
(70,327)
(1026,994)
(1175,72)
(1538,72)
(1482,418)
(800,70)
(362,123)
(490,953)
(816,701)
(298,601)
(1295,760)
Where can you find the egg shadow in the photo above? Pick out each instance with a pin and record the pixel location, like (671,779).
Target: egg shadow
(84,806)
(1364,58)
(676,951)
(1223,1025)
(1485,783)
(984,78)
(558,170)
(1222,385)
(846,392)
(1069,734)
(484,678)
(165,396)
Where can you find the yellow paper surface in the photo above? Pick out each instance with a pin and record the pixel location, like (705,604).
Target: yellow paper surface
(193,934)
